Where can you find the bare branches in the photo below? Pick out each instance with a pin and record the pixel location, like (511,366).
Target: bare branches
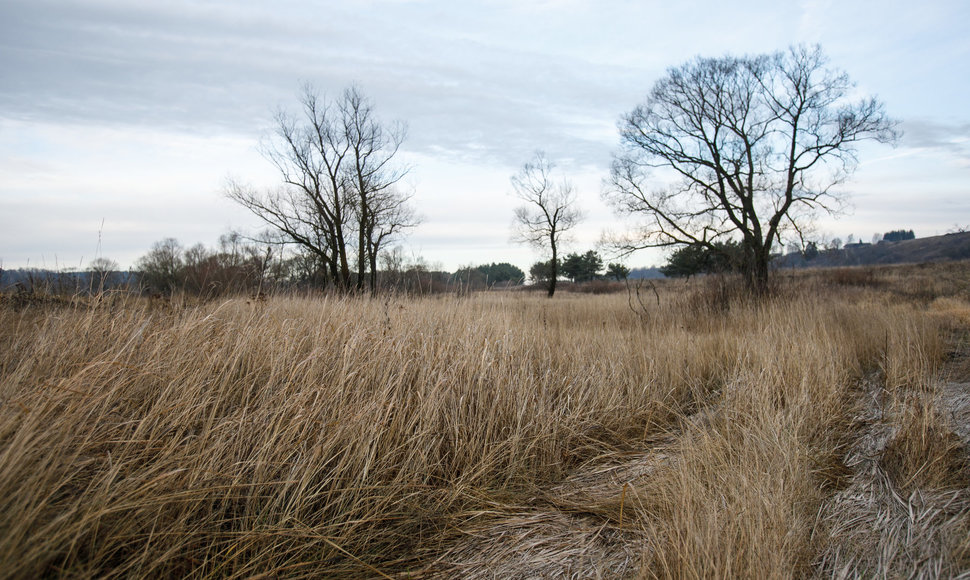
(340,198)
(756,146)
(549,211)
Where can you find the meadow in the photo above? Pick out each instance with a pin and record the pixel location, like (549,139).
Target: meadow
(687,433)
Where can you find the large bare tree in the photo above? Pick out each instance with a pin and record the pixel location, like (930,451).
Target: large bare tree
(549,211)
(746,148)
(340,199)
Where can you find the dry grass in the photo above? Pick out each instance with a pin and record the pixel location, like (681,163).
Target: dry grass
(497,435)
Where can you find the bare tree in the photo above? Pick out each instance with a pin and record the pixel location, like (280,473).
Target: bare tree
(381,210)
(389,214)
(161,268)
(102,273)
(755,147)
(549,210)
(339,200)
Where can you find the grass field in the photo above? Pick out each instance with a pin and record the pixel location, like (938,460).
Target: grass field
(825,432)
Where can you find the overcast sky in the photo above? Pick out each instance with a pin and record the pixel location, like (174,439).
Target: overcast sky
(120,120)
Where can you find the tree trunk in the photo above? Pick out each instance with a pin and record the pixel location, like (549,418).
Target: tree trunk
(553,271)
(340,253)
(373,271)
(759,273)
(362,260)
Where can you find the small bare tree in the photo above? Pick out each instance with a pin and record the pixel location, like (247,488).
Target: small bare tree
(161,269)
(102,273)
(755,146)
(549,211)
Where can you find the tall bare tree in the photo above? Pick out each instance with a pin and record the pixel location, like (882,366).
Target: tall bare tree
(755,147)
(340,199)
(381,210)
(549,211)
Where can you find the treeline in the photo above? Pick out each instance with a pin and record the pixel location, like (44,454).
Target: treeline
(242,266)
(579,268)
(899,236)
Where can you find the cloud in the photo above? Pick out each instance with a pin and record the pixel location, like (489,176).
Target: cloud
(108,102)
(456,76)
(487,81)
(951,139)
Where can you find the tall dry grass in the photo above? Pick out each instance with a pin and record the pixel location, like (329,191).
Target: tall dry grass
(336,437)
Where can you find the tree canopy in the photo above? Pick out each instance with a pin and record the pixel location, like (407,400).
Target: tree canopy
(688,261)
(488,275)
(541,272)
(617,271)
(496,273)
(748,148)
(582,267)
(899,235)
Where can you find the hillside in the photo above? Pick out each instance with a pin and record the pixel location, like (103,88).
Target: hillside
(932,249)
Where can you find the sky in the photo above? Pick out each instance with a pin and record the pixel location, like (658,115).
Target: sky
(121,120)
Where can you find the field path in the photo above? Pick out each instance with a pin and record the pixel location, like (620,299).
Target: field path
(880,526)
(869,528)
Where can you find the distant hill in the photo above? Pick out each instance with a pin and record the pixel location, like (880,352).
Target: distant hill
(932,249)
(645,273)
